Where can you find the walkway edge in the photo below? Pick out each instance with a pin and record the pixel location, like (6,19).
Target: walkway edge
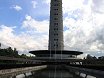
(21,70)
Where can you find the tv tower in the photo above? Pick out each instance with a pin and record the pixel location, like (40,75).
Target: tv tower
(56,26)
(56,43)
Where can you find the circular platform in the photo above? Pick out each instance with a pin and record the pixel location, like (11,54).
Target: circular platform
(48,52)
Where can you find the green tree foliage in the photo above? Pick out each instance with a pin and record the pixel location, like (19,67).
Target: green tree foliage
(89,57)
(24,56)
(9,52)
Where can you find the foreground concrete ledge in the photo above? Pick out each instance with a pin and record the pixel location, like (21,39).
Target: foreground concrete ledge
(17,71)
(91,72)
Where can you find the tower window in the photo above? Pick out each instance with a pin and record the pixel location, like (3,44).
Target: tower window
(55,39)
(56,45)
(55,28)
(56,0)
(56,5)
(55,18)
(56,9)
(55,34)
(55,13)
(55,23)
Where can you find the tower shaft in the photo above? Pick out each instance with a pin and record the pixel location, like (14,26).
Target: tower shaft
(56,26)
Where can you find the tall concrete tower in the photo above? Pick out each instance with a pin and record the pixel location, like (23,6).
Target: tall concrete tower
(55,46)
(56,26)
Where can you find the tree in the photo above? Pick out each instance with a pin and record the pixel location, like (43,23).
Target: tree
(89,57)
(10,52)
(0,45)
(94,57)
(24,56)
(15,53)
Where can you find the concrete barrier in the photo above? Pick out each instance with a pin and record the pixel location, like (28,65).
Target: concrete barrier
(17,71)
(91,72)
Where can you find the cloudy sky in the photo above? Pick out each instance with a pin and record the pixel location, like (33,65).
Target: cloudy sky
(24,24)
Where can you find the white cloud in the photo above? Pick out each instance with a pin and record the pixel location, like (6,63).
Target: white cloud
(98,6)
(24,42)
(85,33)
(17,7)
(70,5)
(47,1)
(34,4)
(38,26)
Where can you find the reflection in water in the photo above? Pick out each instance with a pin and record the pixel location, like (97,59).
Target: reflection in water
(50,72)
(53,72)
